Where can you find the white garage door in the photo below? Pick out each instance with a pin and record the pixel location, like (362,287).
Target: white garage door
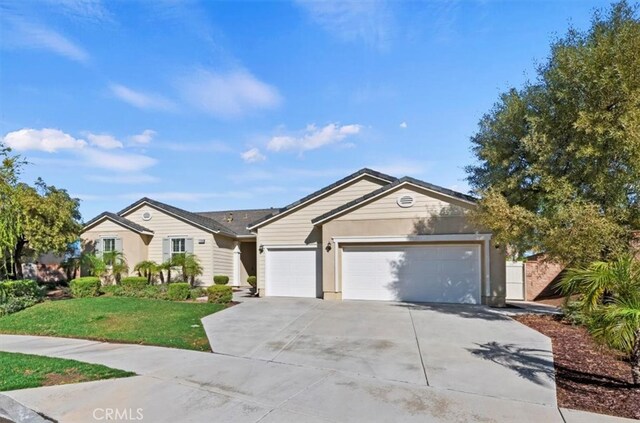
(291,272)
(442,274)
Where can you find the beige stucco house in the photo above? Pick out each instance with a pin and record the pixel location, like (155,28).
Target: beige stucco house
(368,236)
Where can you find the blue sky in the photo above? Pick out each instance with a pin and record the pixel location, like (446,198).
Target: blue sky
(223,105)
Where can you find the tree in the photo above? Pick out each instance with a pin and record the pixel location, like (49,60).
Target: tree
(10,226)
(610,298)
(190,266)
(147,268)
(49,222)
(558,161)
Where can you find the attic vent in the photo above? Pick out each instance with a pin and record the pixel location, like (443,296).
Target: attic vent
(405,201)
(146,216)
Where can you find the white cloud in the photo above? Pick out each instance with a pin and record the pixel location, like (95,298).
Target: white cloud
(105,141)
(370,22)
(253,155)
(404,125)
(314,137)
(132,179)
(46,139)
(228,95)
(141,100)
(18,33)
(144,137)
(119,162)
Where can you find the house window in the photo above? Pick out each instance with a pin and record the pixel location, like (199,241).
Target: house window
(108,245)
(178,246)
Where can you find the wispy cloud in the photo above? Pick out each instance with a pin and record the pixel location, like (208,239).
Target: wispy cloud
(253,155)
(91,10)
(185,196)
(105,141)
(404,125)
(144,137)
(227,95)
(370,22)
(141,100)
(313,137)
(19,33)
(57,141)
(46,139)
(127,179)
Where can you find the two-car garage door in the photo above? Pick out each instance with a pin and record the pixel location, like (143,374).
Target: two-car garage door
(421,273)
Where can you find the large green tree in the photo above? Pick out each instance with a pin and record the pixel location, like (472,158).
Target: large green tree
(558,161)
(33,219)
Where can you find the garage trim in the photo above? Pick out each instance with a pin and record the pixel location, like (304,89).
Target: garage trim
(458,238)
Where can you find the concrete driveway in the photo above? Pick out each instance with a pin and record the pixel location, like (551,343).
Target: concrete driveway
(468,349)
(280,360)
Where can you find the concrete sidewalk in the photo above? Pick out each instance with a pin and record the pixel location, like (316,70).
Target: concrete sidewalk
(188,386)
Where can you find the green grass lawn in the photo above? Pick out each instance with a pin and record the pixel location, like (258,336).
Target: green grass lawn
(21,371)
(130,320)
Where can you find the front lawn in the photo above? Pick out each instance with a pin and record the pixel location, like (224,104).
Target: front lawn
(21,371)
(117,319)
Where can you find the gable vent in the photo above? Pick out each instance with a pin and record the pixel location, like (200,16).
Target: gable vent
(146,216)
(406,201)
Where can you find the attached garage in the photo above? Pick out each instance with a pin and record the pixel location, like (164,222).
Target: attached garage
(291,272)
(416,273)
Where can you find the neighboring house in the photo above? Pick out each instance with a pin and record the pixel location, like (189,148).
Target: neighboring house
(368,236)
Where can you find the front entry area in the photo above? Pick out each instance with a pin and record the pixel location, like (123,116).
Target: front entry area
(415,273)
(291,272)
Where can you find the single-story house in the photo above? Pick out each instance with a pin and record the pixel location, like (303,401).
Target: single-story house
(368,236)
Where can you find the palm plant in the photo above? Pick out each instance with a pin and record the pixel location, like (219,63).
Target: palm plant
(190,266)
(95,264)
(610,297)
(167,265)
(117,263)
(147,268)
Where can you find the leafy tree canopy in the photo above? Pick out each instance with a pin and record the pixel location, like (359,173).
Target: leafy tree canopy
(34,219)
(558,161)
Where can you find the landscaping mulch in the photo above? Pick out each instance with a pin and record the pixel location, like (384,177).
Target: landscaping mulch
(589,376)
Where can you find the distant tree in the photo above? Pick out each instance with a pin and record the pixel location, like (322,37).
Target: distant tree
(10,167)
(558,161)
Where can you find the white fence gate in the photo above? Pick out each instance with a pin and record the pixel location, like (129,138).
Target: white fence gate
(515,280)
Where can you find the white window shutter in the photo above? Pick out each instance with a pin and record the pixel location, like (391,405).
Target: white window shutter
(99,247)
(188,245)
(166,249)
(118,244)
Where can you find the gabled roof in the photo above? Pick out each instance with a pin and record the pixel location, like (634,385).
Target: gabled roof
(237,220)
(119,220)
(195,219)
(399,182)
(328,188)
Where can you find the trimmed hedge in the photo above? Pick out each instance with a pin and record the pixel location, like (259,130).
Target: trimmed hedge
(253,281)
(134,282)
(178,291)
(220,294)
(88,286)
(155,292)
(21,288)
(221,279)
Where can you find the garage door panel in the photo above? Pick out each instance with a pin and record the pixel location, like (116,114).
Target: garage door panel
(291,272)
(417,273)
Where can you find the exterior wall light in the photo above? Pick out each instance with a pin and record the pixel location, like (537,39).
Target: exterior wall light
(261,248)
(328,247)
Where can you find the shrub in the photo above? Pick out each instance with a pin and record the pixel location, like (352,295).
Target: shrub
(134,283)
(221,279)
(113,290)
(253,281)
(88,286)
(156,292)
(219,294)
(21,288)
(15,304)
(197,292)
(178,291)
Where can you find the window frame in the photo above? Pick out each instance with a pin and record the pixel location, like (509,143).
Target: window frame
(173,240)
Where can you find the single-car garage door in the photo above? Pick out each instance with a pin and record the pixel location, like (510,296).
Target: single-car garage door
(291,272)
(434,273)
